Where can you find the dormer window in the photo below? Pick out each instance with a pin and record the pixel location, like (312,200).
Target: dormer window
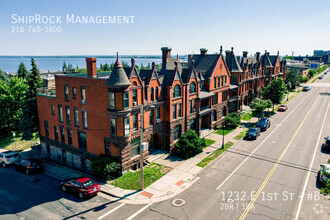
(192,88)
(177,91)
(152,94)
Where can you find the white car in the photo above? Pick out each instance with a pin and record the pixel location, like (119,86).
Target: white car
(8,158)
(324,173)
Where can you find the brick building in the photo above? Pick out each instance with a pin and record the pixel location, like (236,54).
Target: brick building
(91,114)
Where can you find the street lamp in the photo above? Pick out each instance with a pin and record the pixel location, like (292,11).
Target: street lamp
(142,146)
(223,135)
(14,139)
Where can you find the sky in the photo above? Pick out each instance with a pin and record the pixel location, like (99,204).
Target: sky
(247,25)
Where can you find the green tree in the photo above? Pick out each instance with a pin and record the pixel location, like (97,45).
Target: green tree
(188,145)
(311,73)
(288,85)
(233,120)
(64,67)
(275,91)
(2,75)
(22,72)
(30,122)
(258,106)
(12,94)
(288,57)
(292,77)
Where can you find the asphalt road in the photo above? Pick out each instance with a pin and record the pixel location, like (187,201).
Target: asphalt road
(267,175)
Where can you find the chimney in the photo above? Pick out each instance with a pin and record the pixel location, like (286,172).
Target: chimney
(245,53)
(166,53)
(203,51)
(258,56)
(91,67)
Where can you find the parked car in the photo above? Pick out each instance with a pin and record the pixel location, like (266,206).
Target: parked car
(82,186)
(326,145)
(283,108)
(8,158)
(321,77)
(305,88)
(324,174)
(252,133)
(30,166)
(263,124)
(325,73)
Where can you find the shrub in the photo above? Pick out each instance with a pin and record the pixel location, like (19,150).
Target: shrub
(303,79)
(188,145)
(106,166)
(233,120)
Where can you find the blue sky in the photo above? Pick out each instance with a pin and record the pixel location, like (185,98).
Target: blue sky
(252,25)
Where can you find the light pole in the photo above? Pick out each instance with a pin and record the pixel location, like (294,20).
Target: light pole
(14,139)
(223,136)
(141,139)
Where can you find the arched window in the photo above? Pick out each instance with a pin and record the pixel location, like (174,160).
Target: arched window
(177,91)
(157,94)
(152,94)
(192,88)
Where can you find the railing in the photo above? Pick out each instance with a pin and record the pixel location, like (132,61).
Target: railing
(50,92)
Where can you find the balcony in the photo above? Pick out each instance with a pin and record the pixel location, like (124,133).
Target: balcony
(49,92)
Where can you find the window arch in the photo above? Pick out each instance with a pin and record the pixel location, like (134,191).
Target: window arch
(152,94)
(192,88)
(177,91)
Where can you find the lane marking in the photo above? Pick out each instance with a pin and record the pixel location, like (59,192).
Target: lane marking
(310,167)
(111,211)
(234,171)
(255,197)
(138,212)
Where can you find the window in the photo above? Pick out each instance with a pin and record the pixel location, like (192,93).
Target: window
(192,124)
(46,128)
(224,111)
(52,109)
(225,80)
(177,91)
(134,97)
(214,116)
(135,122)
(113,126)
(146,94)
(84,116)
(151,117)
(56,133)
(190,107)
(135,147)
(126,126)
(174,111)
(202,84)
(62,134)
(224,96)
(179,110)
(112,100)
(235,78)
(234,92)
(125,100)
(82,141)
(215,98)
(83,96)
(222,81)
(219,82)
(152,94)
(194,105)
(157,93)
(107,146)
(69,136)
(177,132)
(76,117)
(158,113)
(60,113)
(67,109)
(66,93)
(215,83)
(74,93)
(192,88)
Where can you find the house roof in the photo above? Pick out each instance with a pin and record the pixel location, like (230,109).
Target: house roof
(205,63)
(273,59)
(232,62)
(118,76)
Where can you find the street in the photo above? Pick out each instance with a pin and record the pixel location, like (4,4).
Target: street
(261,179)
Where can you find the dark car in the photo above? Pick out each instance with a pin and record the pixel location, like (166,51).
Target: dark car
(326,145)
(30,166)
(263,124)
(305,88)
(324,174)
(252,133)
(325,73)
(321,77)
(82,186)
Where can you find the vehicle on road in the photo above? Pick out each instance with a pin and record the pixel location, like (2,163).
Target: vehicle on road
(8,158)
(326,145)
(82,186)
(252,133)
(283,108)
(263,124)
(321,77)
(324,174)
(29,166)
(325,73)
(305,88)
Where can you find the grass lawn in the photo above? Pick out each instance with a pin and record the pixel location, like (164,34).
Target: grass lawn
(151,173)
(208,142)
(227,131)
(241,135)
(214,155)
(8,143)
(246,115)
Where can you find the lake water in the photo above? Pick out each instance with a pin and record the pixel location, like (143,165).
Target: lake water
(10,64)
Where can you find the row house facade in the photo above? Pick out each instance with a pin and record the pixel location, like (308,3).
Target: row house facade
(91,114)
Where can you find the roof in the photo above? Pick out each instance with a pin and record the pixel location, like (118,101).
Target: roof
(205,94)
(232,63)
(273,59)
(118,76)
(205,63)
(265,61)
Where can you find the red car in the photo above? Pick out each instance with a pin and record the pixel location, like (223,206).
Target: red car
(283,108)
(82,186)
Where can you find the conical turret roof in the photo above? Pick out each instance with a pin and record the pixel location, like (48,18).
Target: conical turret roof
(118,76)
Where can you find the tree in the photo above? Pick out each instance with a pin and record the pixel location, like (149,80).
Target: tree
(292,77)
(258,106)
(22,72)
(30,122)
(311,73)
(2,75)
(188,145)
(288,85)
(12,94)
(64,67)
(275,91)
(233,120)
